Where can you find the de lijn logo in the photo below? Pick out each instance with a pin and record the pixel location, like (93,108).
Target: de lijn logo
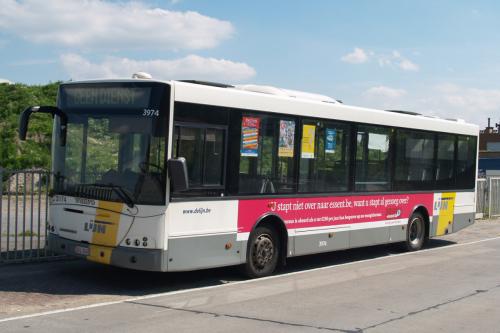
(95,227)
(442,204)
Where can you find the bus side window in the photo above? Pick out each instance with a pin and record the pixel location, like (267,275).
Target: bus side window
(267,152)
(324,166)
(414,167)
(203,147)
(445,162)
(372,159)
(466,162)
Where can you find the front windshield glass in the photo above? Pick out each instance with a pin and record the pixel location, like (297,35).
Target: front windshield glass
(115,146)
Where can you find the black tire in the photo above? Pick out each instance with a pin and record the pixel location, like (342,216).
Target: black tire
(415,232)
(263,252)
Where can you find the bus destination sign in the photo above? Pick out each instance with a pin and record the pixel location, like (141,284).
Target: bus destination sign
(106,97)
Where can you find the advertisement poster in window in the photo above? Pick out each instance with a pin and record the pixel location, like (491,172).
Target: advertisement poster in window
(250,136)
(308,135)
(287,134)
(331,141)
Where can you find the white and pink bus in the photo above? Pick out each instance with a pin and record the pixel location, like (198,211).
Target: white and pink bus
(186,175)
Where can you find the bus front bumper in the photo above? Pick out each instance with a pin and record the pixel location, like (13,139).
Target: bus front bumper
(139,259)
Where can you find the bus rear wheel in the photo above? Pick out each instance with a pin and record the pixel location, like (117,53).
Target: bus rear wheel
(415,232)
(263,252)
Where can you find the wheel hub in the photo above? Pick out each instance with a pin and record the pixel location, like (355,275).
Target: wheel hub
(263,251)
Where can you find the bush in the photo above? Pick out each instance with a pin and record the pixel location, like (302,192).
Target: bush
(35,151)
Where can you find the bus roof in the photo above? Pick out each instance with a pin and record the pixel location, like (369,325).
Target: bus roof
(312,105)
(278,100)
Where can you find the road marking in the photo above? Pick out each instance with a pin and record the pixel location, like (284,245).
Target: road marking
(178,292)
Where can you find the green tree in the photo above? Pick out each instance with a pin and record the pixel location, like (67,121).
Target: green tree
(35,151)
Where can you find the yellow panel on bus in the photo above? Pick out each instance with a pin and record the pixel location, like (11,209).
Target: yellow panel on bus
(446,211)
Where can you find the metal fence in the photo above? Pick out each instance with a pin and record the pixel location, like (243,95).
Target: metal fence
(482,198)
(494,197)
(488,197)
(23,218)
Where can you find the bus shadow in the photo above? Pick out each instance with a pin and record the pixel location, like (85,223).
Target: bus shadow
(78,277)
(329,259)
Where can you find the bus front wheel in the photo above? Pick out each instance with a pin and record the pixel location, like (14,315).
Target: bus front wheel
(263,252)
(415,232)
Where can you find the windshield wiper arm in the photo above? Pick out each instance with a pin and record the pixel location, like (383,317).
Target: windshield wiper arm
(120,191)
(123,195)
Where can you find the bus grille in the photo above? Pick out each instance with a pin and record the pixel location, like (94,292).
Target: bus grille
(90,192)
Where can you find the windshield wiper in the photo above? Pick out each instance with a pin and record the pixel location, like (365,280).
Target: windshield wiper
(120,191)
(123,195)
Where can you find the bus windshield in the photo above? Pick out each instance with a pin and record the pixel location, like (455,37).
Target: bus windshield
(115,145)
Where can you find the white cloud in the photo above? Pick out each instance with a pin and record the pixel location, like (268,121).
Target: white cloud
(396,59)
(470,99)
(5,81)
(105,24)
(385,98)
(384,92)
(358,56)
(447,88)
(189,67)
(447,100)
(407,65)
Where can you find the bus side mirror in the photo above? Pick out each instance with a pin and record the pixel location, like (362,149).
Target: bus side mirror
(177,170)
(25,117)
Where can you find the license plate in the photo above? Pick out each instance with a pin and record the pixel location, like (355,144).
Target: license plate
(82,250)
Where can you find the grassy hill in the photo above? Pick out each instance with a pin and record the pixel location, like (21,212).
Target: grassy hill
(35,151)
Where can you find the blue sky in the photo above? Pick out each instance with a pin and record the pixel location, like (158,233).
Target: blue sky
(435,57)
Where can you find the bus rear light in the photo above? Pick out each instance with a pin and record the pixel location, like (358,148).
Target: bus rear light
(137,242)
(228,245)
(127,241)
(145,244)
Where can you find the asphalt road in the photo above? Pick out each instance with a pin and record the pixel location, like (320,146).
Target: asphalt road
(453,286)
